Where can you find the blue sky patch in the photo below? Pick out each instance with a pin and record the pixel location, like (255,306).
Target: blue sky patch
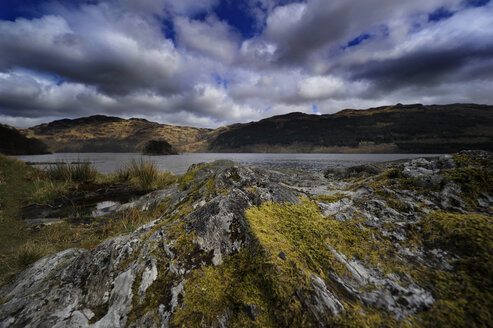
(359,39)
(441,13)
(476,3)
(237,15)
(220,81)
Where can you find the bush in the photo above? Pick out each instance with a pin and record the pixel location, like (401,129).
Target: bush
(159,147)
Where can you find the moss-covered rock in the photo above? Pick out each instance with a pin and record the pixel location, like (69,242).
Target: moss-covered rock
(232,246)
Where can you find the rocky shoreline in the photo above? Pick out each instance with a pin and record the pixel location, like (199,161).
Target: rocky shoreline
(394,244)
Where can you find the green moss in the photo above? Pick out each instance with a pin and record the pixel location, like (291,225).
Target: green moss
(159,292)
(332,198)
(464,295)
(258,275)
(235,177)
(189,177)
(244,279)
(184,249)
(252,190)
(473,181)
(298,230)
(472,159)
(392,178)
(357,316)
(99,312)
(302,233)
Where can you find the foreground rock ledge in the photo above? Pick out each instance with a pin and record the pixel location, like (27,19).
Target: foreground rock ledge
(376,245)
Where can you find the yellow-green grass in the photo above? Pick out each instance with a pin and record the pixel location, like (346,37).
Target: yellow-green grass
(78,172)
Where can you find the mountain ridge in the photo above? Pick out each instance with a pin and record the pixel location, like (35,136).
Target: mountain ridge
(386,129)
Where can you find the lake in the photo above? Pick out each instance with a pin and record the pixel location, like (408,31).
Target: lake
(178,164)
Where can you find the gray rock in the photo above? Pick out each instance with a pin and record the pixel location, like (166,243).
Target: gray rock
(430,181)
(353,172)
(100,287)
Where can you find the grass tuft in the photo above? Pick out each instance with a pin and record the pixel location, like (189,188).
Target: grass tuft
(145,171)
(28,253)
(78,172)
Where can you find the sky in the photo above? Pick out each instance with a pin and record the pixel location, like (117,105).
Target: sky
(210,63)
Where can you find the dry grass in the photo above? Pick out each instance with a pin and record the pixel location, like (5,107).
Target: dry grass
(22,185)
(57,237)
(79,172)
(145,171)
(144,174)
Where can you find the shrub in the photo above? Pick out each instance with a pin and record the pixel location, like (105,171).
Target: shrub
(159,147)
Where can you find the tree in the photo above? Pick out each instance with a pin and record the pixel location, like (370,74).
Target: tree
(159,147)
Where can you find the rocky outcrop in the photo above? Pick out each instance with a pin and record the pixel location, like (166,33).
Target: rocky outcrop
(205,261)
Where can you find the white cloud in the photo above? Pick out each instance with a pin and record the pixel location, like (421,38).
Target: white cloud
(284,19)
(210,37)
(319,87)
(116,57)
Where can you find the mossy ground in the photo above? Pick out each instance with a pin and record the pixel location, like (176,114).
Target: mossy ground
(465,293)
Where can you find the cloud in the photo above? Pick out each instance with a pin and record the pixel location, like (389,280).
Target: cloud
(91,48)
(320,87)
(301,29)
(210,37)
(433,55)
(189,63)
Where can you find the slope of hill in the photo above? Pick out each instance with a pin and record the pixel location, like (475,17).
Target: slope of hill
(101,133)
(12,142)
(391,129)
(401,128)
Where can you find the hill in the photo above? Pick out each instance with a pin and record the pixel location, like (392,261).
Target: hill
(12,142)
(391,129)
(101,133)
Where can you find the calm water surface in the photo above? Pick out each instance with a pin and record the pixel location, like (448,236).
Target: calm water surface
(178,164)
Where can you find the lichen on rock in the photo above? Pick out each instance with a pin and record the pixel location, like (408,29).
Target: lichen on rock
(397,244)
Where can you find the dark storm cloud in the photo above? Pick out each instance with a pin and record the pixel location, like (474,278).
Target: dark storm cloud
(204,64)
(300,29)
(108,59)
(424,67)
